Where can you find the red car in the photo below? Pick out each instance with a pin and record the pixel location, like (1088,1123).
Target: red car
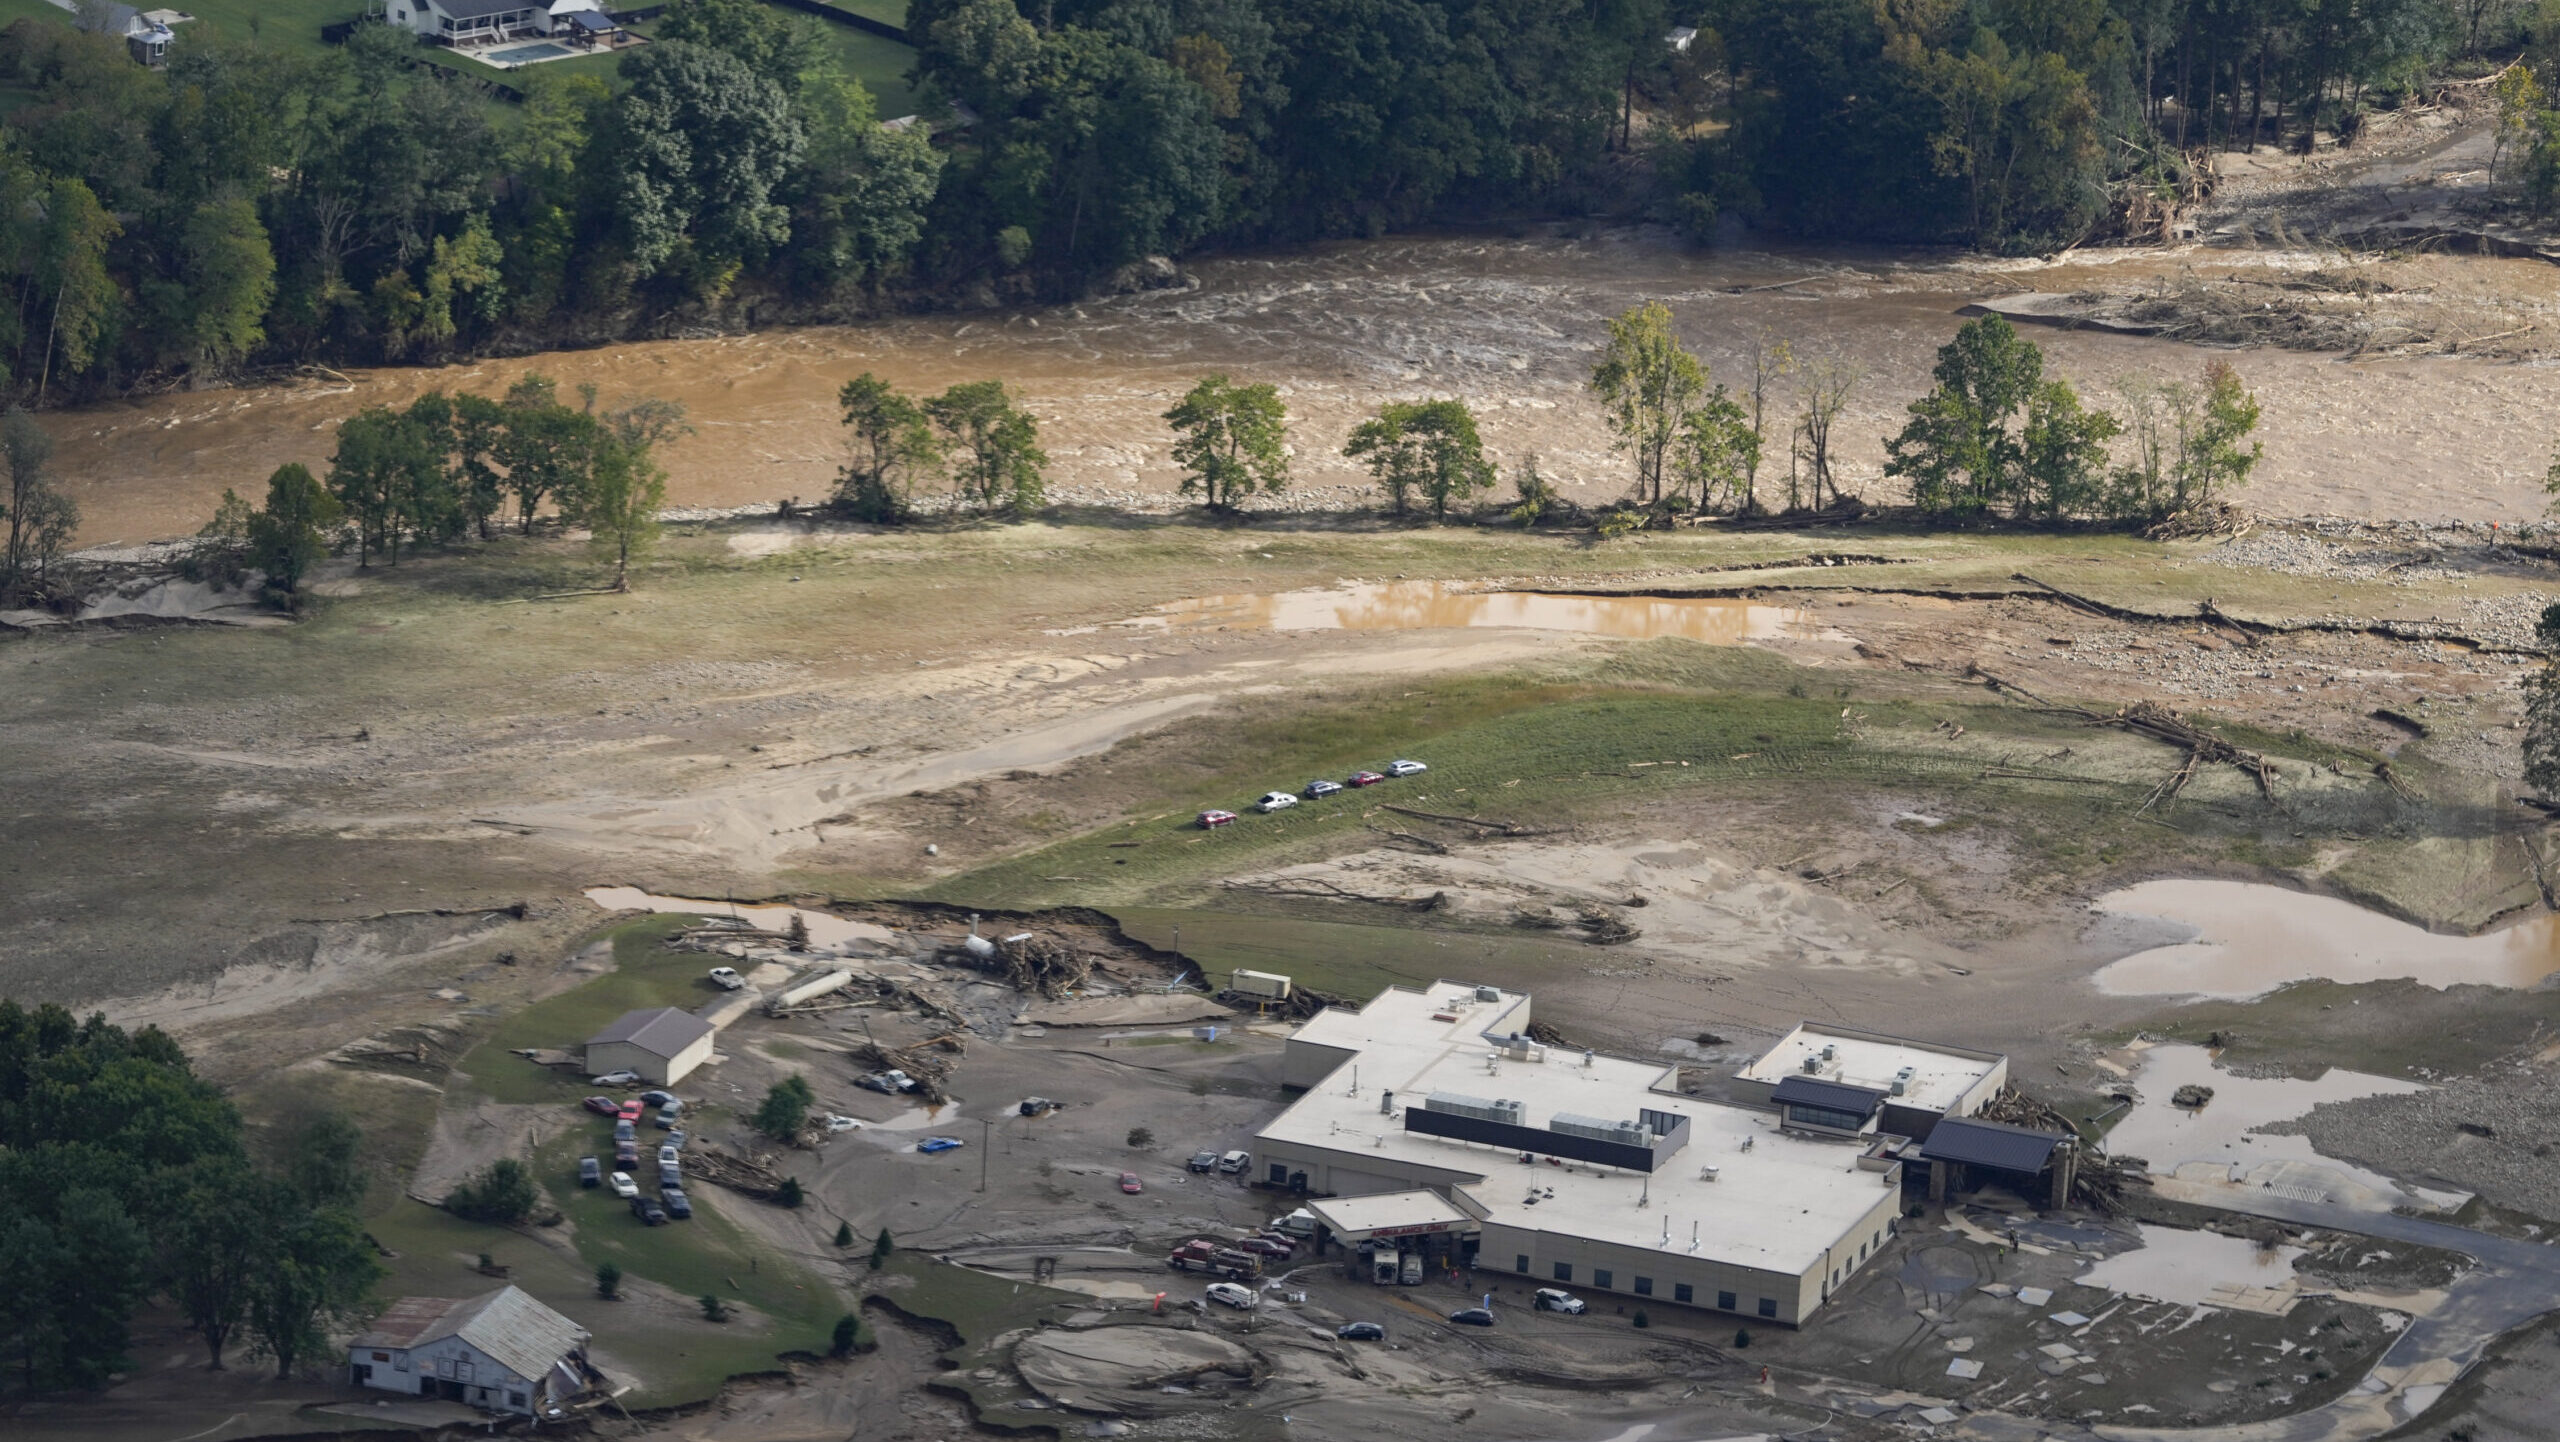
(1365,778)
(604,1106)
(630,1111)
(1129,1183)
(1210,820)
(1265,1247)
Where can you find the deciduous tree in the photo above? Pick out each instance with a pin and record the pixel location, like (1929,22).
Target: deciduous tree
(890,443)
(995,444)
(1645,382)
(1425,448)
(1231,441)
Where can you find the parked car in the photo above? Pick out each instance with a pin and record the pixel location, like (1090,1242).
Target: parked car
(727,979)
(669,1175)
(630,1111)
(603,1106)
(1204,1161)
(678,1205)
(676,1138)
(1320,789)
(1275,801)
(891,1082)
(1129,1183)
(1211,820)
(623,1186)
(1472,1317)
(932,1146)
(648,1211)
(623,1132)
(667,1156)
(654,1098)
(1265,1247)
(1300,1224)
(1235,1162)
(836,1123)
(1406,768)
(618,1079)
(1361,1332)
(669,1114)
(626,1154)
(1364,778)
(1548,1299)
(1228,1294)
(590,1173)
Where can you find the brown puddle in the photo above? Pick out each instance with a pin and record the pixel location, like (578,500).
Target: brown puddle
(2253,938)
(1431,605)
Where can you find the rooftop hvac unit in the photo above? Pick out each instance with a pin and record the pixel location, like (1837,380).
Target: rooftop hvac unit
(1488,993)
(1827,1050)
(1387,1103)
(1520,1048)
(1632,1134)
(1499,1110)
(1709,1173)
(1902,1081)
(1812,1065)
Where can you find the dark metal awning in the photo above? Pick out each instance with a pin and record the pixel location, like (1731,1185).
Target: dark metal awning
(1996,1145)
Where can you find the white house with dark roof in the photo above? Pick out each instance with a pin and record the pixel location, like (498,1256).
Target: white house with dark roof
(471,22)
(501,1351)
(661,1043)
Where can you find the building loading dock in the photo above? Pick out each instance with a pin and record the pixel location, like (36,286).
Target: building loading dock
(1576,1168)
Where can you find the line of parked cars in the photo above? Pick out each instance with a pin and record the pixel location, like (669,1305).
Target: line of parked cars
(670,1203)
(1316,790)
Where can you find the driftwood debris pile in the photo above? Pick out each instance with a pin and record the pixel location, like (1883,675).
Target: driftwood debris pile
(927,1062)
(1037,964)
(755,1176)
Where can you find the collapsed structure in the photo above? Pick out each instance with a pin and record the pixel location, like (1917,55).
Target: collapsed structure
(1431,1114)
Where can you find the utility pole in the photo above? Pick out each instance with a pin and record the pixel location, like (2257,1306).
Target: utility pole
(986,1144)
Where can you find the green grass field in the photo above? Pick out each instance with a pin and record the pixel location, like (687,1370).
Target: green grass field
(645,974)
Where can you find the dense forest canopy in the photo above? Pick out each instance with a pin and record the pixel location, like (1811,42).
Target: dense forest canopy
(249,203)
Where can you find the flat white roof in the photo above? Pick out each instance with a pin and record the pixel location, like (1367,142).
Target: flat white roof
(1395,1213)
(1777,1205)
(1940,1076)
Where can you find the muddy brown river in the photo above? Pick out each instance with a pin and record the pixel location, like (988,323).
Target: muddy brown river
(1506,324)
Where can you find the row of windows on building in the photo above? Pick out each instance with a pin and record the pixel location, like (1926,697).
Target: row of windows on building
(1607,1280)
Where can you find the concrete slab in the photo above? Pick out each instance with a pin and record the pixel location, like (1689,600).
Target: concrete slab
(2035,1296)
(1964,1369)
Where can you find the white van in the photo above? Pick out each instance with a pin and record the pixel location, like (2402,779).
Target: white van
(1300,1224)
(1385,1266)
(1234,1163)
(1228,1294)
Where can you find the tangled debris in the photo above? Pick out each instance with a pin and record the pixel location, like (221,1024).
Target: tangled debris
(927,1063)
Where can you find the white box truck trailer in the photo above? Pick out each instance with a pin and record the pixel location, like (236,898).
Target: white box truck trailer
(1260,985)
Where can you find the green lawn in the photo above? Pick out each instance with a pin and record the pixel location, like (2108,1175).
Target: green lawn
(682,1357)
(645,973)
(880,63)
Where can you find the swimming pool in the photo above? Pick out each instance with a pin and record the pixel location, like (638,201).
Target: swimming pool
(527,54)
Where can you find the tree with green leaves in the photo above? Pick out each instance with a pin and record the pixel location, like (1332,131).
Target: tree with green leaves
(319,1276)
(546,447)
(700,145)
(389,475)
(844,1234)
(995,446)
(40,518)
(1429,449)
(229,280)
(848,1335)
(2062,455)
(789,1194)
(785,1108)
(608,1281)
(463,267)
(219,1240)
(1715,454)
(289,536)
(619,503)
(891,445)
(882,1248)
(502,1193)
(1959,452)
(1645,381)
(71,273)
(1231,441)
(321,1153)
(713,1309)
(73,1273)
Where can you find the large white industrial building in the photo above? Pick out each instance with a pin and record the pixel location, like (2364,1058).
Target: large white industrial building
(1430,1112)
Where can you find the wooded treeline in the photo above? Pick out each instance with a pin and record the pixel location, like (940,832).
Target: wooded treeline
(251,203)
(124,1177)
